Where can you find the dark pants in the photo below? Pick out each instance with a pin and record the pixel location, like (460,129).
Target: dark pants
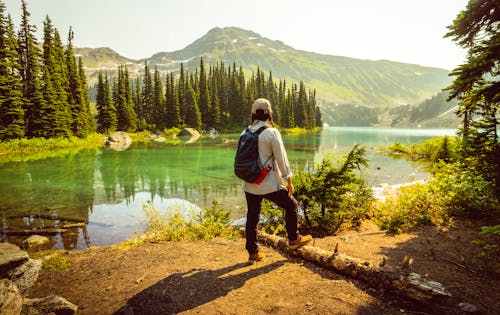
(254,205)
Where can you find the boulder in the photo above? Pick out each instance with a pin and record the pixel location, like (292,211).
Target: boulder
(119,141)
(11,257)
(25,275)
(49,305)
(11,301)
(34,242)
(189,135)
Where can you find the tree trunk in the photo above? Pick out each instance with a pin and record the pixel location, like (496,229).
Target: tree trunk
(399,280)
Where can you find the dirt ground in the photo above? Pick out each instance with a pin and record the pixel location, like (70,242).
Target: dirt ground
(214,277)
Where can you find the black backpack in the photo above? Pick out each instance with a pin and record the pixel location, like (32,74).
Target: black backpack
(247,165)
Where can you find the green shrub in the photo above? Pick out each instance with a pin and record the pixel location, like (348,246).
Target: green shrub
(451,192)
(56,261)
(412,206)
(333,195)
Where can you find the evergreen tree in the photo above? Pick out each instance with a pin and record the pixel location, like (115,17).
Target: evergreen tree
(181,95)
(173,118)
(77,98)
(476,85)
(11,111)
(193,115)
(56,116)
(214,107)
(147,98)
(89,125)
(31,68)
(204,95)
(106,112)
(137,99)
(132,115)
(159,110)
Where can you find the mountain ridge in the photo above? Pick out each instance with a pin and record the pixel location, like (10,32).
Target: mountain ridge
(337,79)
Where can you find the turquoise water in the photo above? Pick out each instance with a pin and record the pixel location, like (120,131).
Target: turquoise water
(97,195)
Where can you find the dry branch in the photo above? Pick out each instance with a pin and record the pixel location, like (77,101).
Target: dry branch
(399,280)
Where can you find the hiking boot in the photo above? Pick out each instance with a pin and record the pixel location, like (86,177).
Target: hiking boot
(256,256)
(300,241)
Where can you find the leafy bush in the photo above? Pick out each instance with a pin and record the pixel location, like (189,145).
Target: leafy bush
(451,192)
(412,206)
(55,262)
(332,195)
(468,193)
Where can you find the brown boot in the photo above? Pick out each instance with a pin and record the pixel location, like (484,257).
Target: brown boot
(300,241)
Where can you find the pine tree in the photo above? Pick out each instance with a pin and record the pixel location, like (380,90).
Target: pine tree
(147,98)
(106,112)
(31,68)
(56,114)
(11,112)
(132,115)
(204,95)
(77,93)
(193,115)
(89,125)
(214,107)
(159,110)
(181,95)
(137,99)
(172,105)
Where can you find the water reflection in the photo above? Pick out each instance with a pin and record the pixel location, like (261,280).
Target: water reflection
(95,197)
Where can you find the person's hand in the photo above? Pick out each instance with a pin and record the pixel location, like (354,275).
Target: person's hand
(289,187)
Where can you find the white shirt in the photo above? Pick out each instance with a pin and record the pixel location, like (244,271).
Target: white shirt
(270,145)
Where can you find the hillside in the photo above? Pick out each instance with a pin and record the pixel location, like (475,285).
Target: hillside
(337,79)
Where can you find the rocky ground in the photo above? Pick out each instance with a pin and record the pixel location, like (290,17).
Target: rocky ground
(214,277)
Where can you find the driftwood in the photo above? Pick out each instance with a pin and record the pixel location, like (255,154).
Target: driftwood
(44,231)
(49,217)
(399,280)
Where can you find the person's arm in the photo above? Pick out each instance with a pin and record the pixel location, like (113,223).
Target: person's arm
(281,159)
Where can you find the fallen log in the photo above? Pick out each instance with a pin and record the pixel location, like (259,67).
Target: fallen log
(399,280)
(45,231)
(49,217)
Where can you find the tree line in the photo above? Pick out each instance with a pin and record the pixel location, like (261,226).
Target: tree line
(44,93)
(43,89)
(218,97)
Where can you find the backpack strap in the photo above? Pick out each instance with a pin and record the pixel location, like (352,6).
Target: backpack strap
(259,130)
(258,133)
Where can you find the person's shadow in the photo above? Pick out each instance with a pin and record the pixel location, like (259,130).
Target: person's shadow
(187,290)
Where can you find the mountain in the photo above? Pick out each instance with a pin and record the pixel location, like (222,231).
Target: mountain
(337,79)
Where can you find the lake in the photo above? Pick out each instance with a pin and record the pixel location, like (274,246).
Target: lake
(95,197)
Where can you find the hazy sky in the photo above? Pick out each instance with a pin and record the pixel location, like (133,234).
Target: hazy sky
(400,30)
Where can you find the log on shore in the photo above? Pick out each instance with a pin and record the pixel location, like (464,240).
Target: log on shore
(399,280)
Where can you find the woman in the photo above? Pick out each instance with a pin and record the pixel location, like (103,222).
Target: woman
(271,152)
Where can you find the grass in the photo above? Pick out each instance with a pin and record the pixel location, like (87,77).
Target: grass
(176,225)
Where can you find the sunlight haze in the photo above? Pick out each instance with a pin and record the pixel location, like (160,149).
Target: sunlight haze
(409,31)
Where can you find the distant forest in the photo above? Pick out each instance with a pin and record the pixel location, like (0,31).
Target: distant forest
(44,93)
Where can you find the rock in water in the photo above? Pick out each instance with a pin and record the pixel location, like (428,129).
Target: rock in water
(119,141)
(34,241)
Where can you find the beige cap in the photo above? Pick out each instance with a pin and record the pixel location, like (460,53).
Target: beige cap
(261,103)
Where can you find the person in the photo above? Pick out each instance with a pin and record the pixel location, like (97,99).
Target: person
(272,188)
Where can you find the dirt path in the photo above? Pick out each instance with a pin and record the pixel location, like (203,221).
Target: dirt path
(214,278)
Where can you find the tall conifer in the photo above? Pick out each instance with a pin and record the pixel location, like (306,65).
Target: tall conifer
(11,112)
(31,68)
